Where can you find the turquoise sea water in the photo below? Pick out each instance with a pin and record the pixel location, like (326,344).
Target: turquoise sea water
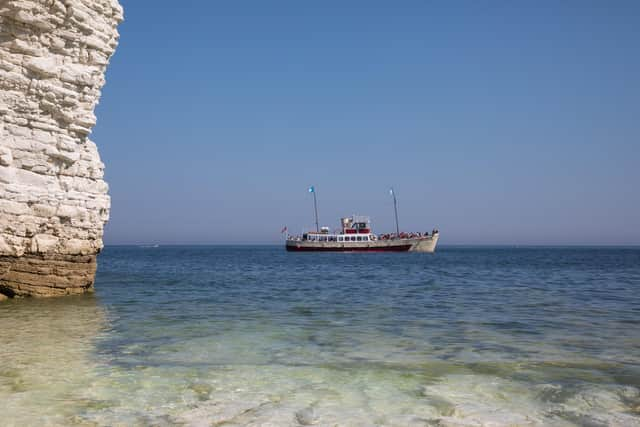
(233,336)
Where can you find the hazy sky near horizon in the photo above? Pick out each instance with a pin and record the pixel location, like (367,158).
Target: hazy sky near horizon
(497,122)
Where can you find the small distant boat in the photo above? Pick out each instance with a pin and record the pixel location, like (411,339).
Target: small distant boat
(356,236)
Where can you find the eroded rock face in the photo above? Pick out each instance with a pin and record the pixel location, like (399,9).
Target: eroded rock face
(53,199)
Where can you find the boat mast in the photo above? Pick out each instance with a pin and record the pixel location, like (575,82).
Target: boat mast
(395,207)
(315,206)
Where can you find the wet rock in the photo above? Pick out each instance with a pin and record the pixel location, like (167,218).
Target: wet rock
(306,416)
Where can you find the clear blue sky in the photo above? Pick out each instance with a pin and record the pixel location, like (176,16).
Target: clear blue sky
(498,122)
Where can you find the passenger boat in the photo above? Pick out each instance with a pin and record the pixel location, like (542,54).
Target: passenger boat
(355,235)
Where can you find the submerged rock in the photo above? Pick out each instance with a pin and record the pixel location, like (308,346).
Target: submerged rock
(53,199)
(306,416)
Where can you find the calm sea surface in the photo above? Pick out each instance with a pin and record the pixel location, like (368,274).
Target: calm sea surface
(256,336)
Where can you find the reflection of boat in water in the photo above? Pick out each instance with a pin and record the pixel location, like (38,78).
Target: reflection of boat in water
(356,236)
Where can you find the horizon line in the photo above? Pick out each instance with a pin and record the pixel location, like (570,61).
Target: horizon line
(509,245)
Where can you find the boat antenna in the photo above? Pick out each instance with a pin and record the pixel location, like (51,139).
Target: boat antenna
(395,207)
(312,189)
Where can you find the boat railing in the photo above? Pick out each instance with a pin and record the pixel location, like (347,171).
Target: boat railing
(405,236)
(386,236)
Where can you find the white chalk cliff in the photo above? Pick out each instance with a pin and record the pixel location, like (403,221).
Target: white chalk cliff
(53,199)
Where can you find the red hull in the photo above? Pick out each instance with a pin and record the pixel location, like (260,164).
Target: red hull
(397,248)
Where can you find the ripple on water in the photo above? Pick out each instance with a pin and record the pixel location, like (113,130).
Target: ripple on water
(255,336)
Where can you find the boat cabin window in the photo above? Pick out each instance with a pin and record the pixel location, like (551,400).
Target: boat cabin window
(340,239)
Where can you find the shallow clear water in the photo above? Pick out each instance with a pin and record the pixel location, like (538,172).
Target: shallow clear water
(257,336)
